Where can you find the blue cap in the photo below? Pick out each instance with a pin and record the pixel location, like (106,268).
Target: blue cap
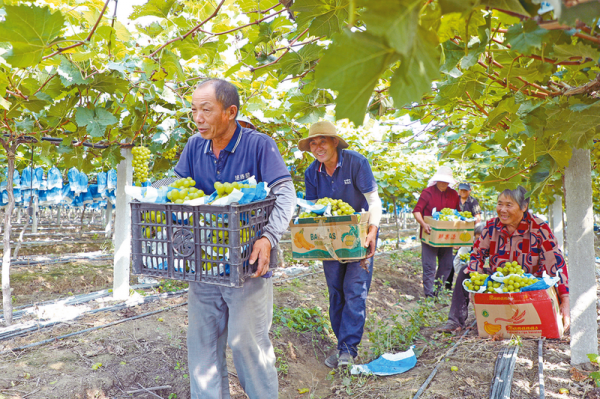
(464,186)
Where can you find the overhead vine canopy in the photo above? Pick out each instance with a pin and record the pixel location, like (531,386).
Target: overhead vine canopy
(508,85)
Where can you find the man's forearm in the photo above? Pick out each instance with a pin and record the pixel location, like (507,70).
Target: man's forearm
(282,212)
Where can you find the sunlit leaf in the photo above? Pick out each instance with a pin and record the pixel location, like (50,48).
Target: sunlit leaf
(30,30)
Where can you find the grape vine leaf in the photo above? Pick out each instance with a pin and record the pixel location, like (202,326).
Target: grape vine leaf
(567,51)
(251,5)
(171,64)
(70,74)
(153,30)
(541,171)
(95,120)
(578,124)
(526,37)
(327,16)
(451,55)
(295,63)
(154,8)
(30,30)
(413,77)
(504,108)
(508,5)
(352,65)
(461,6)
(4,103)
(188,48)
(109,83)
(397,21)
(561,153)
(310,112)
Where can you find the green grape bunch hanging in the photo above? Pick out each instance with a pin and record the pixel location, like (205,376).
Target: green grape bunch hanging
(141,156)
(595,154)
(170,154)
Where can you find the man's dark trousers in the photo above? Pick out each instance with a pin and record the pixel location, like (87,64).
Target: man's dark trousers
(348,285)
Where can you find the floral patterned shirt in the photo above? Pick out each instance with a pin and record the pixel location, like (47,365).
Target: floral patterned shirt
(532,245)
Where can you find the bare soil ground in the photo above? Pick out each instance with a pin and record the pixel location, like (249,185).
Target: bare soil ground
(150,352)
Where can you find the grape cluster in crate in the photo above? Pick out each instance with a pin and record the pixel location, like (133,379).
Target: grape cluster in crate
(508,279)
(338,208)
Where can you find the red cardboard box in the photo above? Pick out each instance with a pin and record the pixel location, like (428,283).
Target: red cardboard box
(531,314)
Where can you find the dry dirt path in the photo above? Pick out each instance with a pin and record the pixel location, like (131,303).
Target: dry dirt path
(150,352)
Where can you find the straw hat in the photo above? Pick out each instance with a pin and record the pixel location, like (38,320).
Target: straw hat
(444,174)
(323,128)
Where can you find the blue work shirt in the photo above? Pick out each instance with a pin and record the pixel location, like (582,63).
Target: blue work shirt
(249,153)
(351,179)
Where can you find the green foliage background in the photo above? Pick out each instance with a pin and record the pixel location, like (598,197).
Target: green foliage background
(498,90)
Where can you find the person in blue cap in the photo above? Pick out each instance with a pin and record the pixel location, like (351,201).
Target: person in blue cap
(468,203)
(223,151)
(339,173)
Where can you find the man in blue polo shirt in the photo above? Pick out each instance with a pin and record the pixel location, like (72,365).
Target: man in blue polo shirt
(223,151)
(343,174)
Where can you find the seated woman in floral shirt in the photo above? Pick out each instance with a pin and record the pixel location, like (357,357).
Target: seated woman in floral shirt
(515,235)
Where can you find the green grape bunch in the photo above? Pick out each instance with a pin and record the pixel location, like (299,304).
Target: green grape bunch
(476,281)
(466,214)
(224,189)
(170,154)
(515,283)
(184,191)
(141,156)
(446,214)
(338,207)
(464,257)
(511,268)
(491,287)
(308,215)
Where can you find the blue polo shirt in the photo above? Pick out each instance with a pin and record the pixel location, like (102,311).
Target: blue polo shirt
(352,178)
(249,153)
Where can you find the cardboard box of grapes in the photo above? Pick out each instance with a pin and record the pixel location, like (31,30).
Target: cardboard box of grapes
(448,234)
(330,238)
(530,314)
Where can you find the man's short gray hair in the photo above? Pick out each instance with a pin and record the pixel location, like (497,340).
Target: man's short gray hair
(226,93)
(517,195)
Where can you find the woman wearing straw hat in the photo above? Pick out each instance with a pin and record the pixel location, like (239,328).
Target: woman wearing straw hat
(343,174)
(437,195)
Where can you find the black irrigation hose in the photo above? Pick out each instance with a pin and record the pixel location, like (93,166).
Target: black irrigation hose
(509,374)
(499,369)
(504,369)
(295,277)
(113,308)
(120,306)
(541,367)
(435,370)
(46,341)
(56,261)
(82,298)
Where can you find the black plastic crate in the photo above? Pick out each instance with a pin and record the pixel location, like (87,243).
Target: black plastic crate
(203,243)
